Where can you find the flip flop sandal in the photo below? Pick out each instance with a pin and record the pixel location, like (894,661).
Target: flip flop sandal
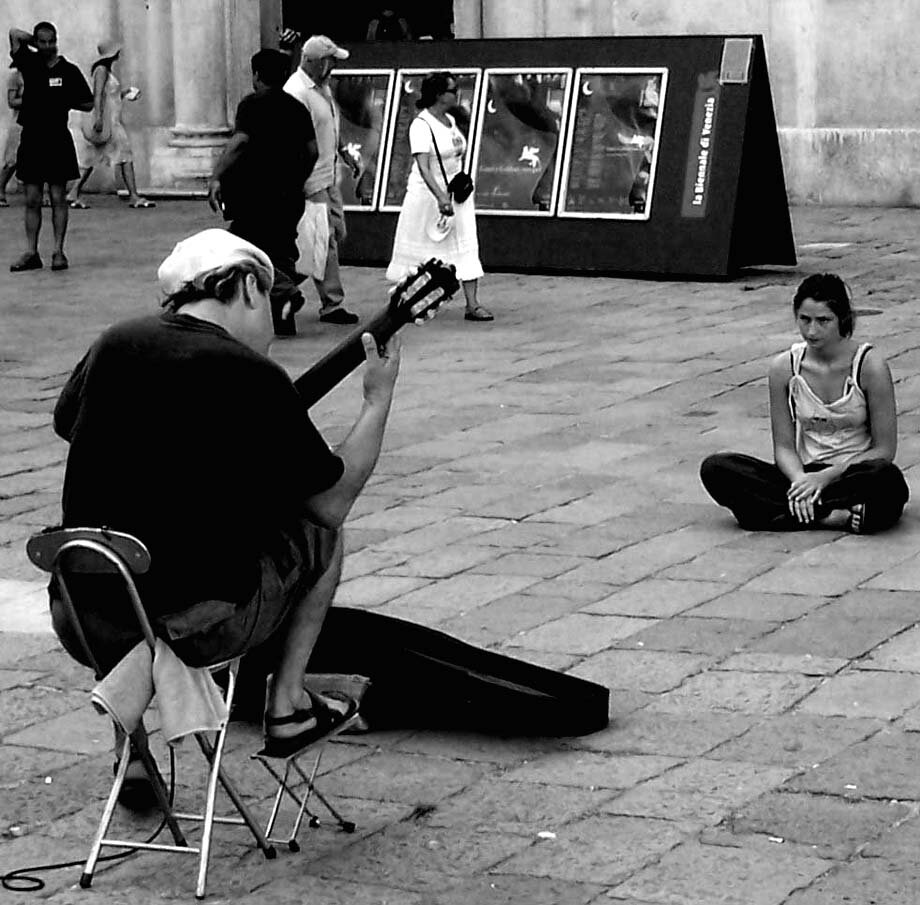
(327,718)
(857,524)
(78,206)
(143,204)
(478,314)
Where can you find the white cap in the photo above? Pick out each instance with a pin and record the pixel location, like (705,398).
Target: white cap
(204,253)
(318,47)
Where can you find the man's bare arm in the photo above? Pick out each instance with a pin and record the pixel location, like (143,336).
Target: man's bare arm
(361,448)
(18,38)
(14,95)
(231,153)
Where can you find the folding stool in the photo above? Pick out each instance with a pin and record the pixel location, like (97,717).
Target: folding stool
(70,551)
(293,773)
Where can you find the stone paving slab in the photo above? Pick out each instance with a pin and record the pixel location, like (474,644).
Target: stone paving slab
(833,827)
(537,495)
(696,874)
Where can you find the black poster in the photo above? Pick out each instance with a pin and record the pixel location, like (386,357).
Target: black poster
(363,97)
(515,163)
(613,143)
(408,91)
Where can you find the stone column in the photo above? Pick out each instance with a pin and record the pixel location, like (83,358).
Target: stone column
(199,43)
(158,81)
(199,72)
(468,19)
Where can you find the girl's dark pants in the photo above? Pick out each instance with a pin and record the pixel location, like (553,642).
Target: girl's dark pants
(755,491)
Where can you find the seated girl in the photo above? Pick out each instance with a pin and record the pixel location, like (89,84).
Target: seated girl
(832,411)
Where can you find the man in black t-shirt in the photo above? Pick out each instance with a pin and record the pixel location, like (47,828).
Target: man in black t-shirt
(52,87)
(185,434)
(259,179)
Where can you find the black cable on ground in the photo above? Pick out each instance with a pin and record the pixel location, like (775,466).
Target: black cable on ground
(21,879)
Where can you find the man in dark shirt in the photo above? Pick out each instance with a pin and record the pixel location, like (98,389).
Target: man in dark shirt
(184,433)
(259,179)
(52,88)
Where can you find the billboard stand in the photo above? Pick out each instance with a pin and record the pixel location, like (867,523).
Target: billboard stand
(652,156)
(762,231)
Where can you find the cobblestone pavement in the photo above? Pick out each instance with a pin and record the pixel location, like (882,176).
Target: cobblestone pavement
(537,495)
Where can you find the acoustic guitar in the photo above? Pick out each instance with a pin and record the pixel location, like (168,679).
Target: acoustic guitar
(415,299)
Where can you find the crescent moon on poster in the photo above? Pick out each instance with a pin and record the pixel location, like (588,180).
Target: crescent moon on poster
(587,90)
(490,106)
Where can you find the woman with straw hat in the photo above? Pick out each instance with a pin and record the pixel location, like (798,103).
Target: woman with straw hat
(105,140)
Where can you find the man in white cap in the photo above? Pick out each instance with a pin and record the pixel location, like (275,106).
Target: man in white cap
(310,85)
(185,434)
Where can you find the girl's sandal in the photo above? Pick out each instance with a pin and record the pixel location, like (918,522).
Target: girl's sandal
(857,524)
(478,314)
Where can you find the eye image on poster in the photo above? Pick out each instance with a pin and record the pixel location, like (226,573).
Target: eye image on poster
(612,143)
(408,91)
(364,97)
(515,163)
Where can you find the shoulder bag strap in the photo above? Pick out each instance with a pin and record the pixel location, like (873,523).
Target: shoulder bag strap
(434,141)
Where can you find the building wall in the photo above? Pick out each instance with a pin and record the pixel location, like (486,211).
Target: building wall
(188,57)
(846,83)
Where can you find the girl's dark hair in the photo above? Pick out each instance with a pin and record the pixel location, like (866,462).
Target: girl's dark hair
(834,292)
(433,84)
(220,284)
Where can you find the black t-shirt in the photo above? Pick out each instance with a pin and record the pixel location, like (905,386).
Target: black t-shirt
(49,93)
(274,165)
(186,438)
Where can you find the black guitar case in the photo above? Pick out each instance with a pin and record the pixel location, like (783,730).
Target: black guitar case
(424,679)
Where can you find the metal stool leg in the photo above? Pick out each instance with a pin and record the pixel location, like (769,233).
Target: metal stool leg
(347,825)
(237,800)
(141,745)
(86,879)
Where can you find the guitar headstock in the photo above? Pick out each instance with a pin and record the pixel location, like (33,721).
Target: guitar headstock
(417,297)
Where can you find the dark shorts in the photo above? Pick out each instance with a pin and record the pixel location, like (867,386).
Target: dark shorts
(213,631)
(46,157)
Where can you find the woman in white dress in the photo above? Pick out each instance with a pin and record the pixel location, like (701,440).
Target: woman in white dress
(105,140)
(431,225)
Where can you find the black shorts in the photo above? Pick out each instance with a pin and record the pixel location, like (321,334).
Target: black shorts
(46,157)
(213,631)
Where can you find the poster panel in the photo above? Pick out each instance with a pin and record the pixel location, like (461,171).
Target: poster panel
(408,91)
(364,97)
(518,135)
(612,144)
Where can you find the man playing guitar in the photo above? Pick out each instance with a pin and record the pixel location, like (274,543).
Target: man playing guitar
(186,435)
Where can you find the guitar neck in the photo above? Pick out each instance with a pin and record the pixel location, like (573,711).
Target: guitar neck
(337,364)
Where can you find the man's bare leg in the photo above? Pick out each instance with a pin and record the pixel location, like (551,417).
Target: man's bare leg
(287,692)
(33,216)
(59,214)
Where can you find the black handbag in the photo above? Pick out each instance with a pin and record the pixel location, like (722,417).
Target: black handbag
(461,186)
